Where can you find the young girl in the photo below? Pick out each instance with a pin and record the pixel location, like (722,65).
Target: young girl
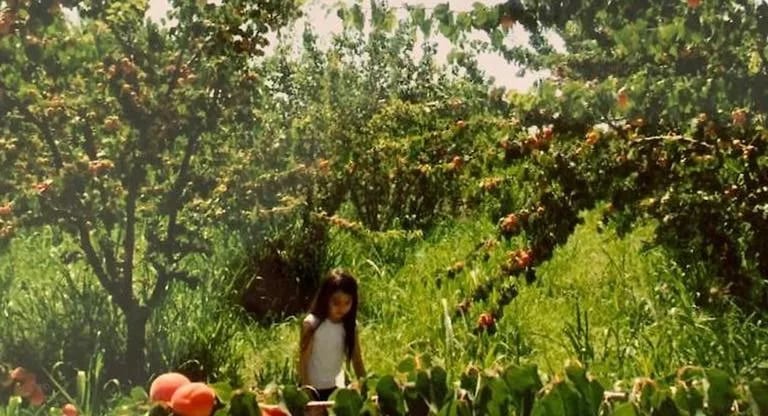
(329,336)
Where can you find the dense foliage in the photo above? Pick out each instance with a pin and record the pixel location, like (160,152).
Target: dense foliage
(141,150)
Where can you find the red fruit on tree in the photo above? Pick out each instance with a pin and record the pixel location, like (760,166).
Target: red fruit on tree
(111,124)
(69,409)
(485,321)
(547,132)
(694,3)
(524,258)
(507,22)
(510,224)
(739,117)
(456,163)
(622,98)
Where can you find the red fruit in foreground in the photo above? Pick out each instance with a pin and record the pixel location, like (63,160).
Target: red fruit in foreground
(69,409)
(485,320)
(165,385)
(272,411)
(193,399)
(694,3)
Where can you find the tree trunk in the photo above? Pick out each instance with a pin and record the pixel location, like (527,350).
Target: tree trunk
(136,319)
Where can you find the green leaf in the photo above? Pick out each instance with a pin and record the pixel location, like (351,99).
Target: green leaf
(523,382)
(456,408)
(755,63)
(422,384)
(347,402)
(522,379)
(497,38)
(449,31)
(625,409)
(416,402)
(492,397)
(439,383)
(390,396)
(407,365)
(720,393)
(358,18)
(758,390)
(484,17)
(295,400)
(418,14)
(159,410)
(426,27)
(463,22)
(390,21)
(223,391)
(591,391)
(561,400)
(244,404)
(442,13)
(138,394)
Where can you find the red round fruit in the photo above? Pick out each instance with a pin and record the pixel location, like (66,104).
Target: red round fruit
(69,409)
(272,411)
(193,399)
(485,320)
(165,385)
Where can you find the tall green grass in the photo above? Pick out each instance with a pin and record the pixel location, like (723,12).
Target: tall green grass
(617,305)
(611,302)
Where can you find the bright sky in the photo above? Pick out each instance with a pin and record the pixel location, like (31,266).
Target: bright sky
(326,23)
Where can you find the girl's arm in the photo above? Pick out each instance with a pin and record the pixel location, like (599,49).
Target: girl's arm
(305,348)
(357,358)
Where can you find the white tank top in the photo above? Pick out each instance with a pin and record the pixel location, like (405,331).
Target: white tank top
(325,367)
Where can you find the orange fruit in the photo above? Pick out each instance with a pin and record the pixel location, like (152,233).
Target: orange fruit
(165,385)
(193,399)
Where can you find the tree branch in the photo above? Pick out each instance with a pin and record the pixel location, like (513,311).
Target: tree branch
(134,180)
(174,203)
(129,241)
(108,251)
(58,160)
(673,138)
(93,260)
(90,143)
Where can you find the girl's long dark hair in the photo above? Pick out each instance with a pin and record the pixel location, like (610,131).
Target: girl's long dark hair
(338,280)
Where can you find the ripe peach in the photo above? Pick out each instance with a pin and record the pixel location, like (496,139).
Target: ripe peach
(193,399)
(69,409)
(165,385)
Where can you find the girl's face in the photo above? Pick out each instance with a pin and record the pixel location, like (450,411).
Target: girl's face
(340,304)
